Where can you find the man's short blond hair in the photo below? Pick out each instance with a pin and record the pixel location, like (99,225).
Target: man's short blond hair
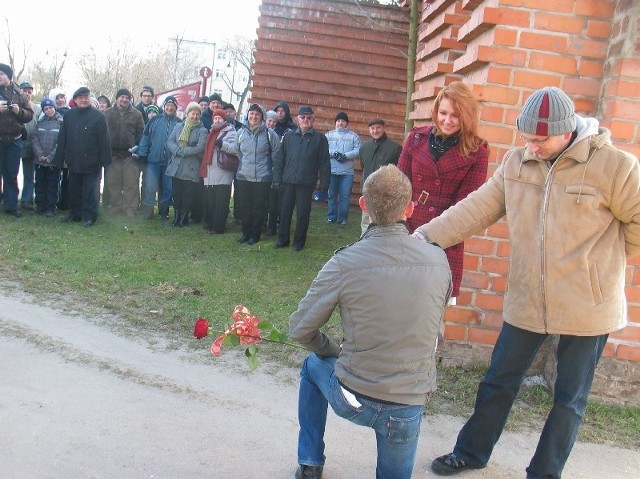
(387,192)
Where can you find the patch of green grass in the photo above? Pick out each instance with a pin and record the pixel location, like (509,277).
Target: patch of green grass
(159,278)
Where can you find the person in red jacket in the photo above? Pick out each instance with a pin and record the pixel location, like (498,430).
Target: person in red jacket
(445,162)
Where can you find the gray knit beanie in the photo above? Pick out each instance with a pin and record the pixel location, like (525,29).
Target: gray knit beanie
(547,112)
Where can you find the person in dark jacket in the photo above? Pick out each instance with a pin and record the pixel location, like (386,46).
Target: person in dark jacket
(153,150)
(384,368)
(47,173)
(377,151)
(147,98)
(85,146)
(15,112)
(303,156)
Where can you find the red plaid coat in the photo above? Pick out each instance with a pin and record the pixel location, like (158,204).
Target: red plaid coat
(446,181)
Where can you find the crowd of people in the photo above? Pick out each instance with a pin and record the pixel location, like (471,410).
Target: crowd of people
(570,198)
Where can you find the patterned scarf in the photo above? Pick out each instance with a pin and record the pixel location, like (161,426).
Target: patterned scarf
(438,145)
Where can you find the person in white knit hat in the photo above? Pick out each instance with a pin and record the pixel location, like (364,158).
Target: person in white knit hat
(573,210)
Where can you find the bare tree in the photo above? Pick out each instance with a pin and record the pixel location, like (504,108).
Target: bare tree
(241,52)
(6,34)
(45,76)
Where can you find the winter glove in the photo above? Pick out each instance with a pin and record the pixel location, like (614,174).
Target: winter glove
(219,143)
(275,186)
(341,157)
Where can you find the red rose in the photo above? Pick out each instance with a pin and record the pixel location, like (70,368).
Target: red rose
(201,328)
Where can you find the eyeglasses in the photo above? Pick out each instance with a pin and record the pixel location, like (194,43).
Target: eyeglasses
(305,117)
(530,141)
(147,96)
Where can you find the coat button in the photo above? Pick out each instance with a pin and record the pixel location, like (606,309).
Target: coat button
(431,209)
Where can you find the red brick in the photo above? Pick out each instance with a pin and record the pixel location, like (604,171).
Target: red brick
(553,63)
(561,6)
(471,263)
(590,68)
(628,352)
(633,314)
(491,114)
(598,29)
(461,315)
(581,86)
(492,320)
(483,336)
(475,280)
(498,284)
(506,37)
(494,265)
(504,249)
(622,109)
(624,88)
(535,81)
(499,75)
(595,8)
(587,48)
(632,293)
(543,41)
(477,245)
(455,333)
(496,134)
(558,23)
(623,130)
(627,67)
(489,301)
(499,230)
(609,351)
(630,333)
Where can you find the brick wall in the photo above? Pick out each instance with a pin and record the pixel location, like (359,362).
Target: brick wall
(335,56)
(505,49)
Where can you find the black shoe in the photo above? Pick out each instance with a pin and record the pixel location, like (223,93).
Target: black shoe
(297,247)
(16,213)
(280,244)
(252,241)
(243,239)
(309,472)
(70,219)
(450,464)
(88,223)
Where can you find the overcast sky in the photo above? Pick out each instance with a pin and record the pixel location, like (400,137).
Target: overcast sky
(80,24)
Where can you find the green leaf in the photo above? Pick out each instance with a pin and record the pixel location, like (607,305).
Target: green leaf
(231,340)
(265,325)
(252,357)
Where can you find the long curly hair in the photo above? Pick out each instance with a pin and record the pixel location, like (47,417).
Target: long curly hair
(466,105)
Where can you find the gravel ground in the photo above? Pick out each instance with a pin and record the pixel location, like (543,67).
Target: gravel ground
(78,400)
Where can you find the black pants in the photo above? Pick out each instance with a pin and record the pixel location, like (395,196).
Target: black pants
(83,195)
(198,202)
(253,199)
(47,180)
(217,207)
(298,196)
(183,195)
(275,205)
(63,196)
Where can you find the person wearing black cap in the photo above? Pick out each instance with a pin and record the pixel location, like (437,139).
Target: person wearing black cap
(344,147)
(147,96)
(125,128)
(302,158)
(573,211)
(230,110)
(85,147)
(203,101)
(377,151)
(15,112)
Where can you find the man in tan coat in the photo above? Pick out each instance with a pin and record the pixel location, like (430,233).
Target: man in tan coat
(572,202)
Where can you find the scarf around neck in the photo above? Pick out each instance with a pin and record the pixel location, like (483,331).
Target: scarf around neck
(186,131)
(438,145)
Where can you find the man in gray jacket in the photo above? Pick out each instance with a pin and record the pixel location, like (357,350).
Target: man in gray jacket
(382,372)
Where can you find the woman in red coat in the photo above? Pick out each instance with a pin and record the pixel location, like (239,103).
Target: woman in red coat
(445,162)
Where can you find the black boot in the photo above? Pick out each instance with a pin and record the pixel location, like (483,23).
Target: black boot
(164,213)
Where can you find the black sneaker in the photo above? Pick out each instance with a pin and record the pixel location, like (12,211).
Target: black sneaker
(450,464)
(309,472)
(15,213)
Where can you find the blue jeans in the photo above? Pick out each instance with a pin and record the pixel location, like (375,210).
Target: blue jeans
(154,177)
(397,427)
(339,196)
(514,351)
(28,181)
(10,153)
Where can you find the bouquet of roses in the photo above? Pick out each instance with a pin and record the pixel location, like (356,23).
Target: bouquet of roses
(246,329)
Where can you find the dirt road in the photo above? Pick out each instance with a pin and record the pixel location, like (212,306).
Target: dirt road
(80,401)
